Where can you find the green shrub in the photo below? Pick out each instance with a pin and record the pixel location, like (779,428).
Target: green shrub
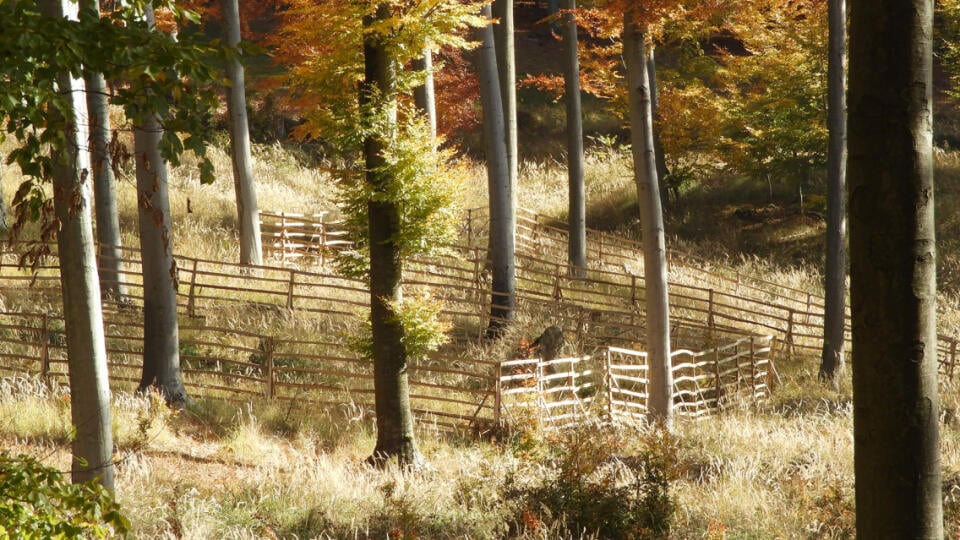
(37,502)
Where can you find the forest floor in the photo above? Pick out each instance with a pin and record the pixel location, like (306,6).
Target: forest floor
(783,469)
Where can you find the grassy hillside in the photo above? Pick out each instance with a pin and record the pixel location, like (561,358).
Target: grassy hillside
(260,470)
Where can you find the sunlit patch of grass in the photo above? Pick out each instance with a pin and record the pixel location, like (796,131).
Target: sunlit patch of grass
(30,409)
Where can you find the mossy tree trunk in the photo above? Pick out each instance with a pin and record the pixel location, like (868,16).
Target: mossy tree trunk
(893,270)
(395,437)
(86,346)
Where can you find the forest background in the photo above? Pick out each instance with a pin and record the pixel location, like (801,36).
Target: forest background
(752,155)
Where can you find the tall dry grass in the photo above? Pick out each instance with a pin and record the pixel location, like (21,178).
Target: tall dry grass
(221,470)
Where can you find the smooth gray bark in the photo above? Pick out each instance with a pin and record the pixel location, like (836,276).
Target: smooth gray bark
(577,220)
(660,386)
(835,281)
(395,436)
(86,346)
(661,159)
(500,185)
(161,337)
(110,252)
(424,95)
(503,34)
(893,270)
(248,214)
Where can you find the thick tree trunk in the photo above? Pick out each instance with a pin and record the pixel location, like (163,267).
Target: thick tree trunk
(503,36)
(110,252)
(161,338)
(424,96)
(660,386)
(86,346)
(893,270)
(577,247)
(834,319)
(500,184)
(248,215)
(395,437)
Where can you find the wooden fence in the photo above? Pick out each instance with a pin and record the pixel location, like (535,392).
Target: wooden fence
(613,384)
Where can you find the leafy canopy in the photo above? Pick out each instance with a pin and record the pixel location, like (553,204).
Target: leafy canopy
(155,74)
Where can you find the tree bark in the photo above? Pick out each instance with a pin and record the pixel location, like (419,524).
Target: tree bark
(577,214)
(660,386)
(503,36)
(110,254)
(395,437)
(661,159)
(161,338)
(893,270)
(500,185)
(248,215)
(424,96)
(835,280)
(86,346)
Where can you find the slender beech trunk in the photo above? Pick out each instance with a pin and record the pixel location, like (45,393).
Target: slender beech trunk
(577,247)
(893,270)
(161,337)
(3,204)
(661,159)
(248,214)
(110,252)
(503,36)
(424,96)
(86,346)
(395,437)
(834,318)
(500,185)
(660,386)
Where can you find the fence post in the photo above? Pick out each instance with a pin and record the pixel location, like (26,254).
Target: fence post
(498,395)
(293,276)
(270,345)
(953,356)
(753,372)
(45,347)
(789,338)
(283,236)
(323,241)
(469,227)
(191,299)
(608,380)
(716,373)
(710,321)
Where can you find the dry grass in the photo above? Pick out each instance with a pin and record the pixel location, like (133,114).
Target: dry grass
(220,470)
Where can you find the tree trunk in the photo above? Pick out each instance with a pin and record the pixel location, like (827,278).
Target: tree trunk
(110,254)
(507,72)
(3,204)
(248,215)
(661,159)
(577,247)
(502,216)
(893,270)
(835,281)
(395,437)
(660,386)
(424,96)
(161,338)
(86,346)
